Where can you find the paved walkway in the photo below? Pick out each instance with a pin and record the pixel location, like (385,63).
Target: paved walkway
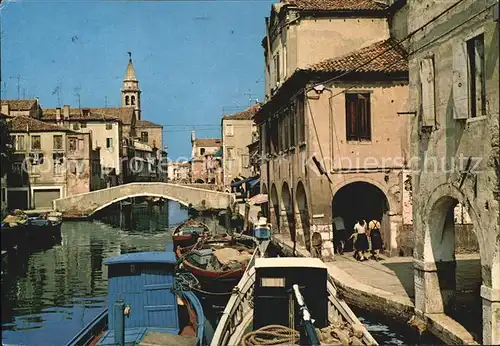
(395,274)
(386,286)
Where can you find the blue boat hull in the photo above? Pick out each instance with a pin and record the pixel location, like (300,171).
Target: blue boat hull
(92,333)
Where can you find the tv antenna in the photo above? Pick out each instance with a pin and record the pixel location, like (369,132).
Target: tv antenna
(77,94)
(57,91)
(18,77)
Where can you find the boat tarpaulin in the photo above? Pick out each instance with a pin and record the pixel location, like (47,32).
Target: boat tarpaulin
(254,182)
(258,199)
(241,182)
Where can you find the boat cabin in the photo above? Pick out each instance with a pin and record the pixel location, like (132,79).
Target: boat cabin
(144,282)
(274,279)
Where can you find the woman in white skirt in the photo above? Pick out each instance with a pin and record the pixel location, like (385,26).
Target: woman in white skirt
(361,240)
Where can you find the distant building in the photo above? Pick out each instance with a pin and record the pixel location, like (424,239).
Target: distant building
(106,131)
(179,171)
(204,166)
(49,162)
(29,108)
(237,134)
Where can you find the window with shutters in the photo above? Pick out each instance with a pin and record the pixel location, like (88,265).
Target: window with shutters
(427,91)
(301,123)
(36,143)
(476,76)
(286,125)
(291,116)
(58,142)
(358,124)
(229,130)
(277,69)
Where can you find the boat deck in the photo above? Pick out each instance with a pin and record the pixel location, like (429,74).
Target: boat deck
(160,339)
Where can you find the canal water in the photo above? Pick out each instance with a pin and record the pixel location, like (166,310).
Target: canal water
(48,296)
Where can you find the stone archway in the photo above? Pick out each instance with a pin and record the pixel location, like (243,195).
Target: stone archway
(303,224)
(437,289)
(274,207)
(287,220)
(364,200)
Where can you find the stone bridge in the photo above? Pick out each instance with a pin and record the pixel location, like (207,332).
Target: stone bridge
(86,204)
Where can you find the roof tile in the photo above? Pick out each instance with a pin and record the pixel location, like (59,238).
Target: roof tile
(384,56)
(207,142)
(122,114)
(336,5)
(19,105)
(146,123)
(247,114)
(23,123)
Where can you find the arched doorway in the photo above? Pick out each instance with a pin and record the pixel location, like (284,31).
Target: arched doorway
(275,207)
(199,181)
(301,199)
(286,197)
(362,200)
(459,299)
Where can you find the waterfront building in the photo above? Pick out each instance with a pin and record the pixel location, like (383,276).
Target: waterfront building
(237,132)
(454,99)
(48,162)
(329,137)
(205,164)
(106,131)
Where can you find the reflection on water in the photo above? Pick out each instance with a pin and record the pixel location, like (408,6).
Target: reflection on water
(48,296)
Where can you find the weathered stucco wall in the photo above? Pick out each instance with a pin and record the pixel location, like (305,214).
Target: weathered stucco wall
(450,132)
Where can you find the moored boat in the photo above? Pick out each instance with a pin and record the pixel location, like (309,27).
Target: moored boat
(187,233)
(35,230)
(217,263)
(160,311)
(288,300)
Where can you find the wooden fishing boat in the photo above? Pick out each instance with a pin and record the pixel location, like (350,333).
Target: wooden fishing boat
(218,263)
(187,233)
(34,230)
(159,308)
(290,301)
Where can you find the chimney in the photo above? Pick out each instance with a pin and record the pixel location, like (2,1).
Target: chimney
(66,112)
(6,109)
(193,137)
(58,114)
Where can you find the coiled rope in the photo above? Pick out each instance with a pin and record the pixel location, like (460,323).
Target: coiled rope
(271,335)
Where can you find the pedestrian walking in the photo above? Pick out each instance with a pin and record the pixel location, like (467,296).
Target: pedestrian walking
(376,239)
(360,240)
(339,234)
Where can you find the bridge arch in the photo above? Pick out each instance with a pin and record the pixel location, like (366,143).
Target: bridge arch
(104,206)
(90,202)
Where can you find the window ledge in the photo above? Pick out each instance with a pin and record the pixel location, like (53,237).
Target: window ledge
(359,142)
(476,119)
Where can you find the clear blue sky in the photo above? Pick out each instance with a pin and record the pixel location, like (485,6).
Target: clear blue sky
(192,58)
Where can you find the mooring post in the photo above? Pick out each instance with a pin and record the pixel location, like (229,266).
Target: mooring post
(119,322)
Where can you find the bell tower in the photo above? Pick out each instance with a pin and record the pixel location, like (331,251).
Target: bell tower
(131,95)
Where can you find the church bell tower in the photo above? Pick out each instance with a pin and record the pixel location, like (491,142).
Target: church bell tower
(131,95)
